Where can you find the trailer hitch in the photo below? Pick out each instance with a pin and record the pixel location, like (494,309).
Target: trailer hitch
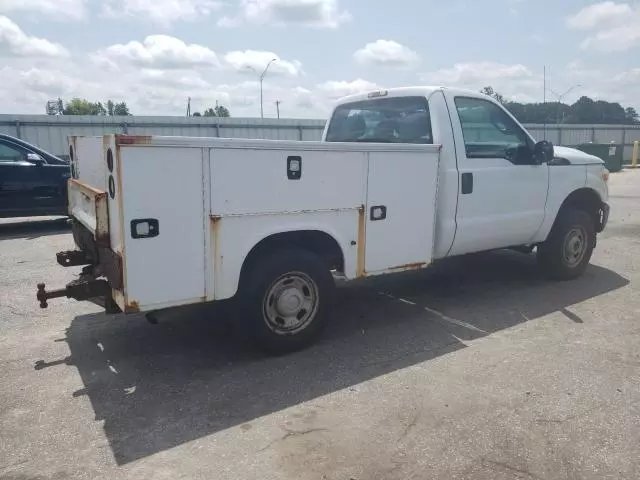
(78,290)
(73,258)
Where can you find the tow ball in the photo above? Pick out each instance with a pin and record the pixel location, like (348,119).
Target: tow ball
(96,291)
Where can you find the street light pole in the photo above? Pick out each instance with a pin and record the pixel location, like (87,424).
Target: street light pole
(264,72)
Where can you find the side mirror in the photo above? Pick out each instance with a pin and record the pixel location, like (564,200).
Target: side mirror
(35,159)
(543,152)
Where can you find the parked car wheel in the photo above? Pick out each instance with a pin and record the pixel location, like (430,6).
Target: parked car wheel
(286,296)
(567,252)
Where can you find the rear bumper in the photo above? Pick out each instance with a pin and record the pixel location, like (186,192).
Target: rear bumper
(603,217)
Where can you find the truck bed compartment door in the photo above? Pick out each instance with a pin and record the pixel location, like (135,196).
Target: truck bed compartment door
(401,208)
(162,226)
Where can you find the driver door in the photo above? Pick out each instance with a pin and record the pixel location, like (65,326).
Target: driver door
(502,191)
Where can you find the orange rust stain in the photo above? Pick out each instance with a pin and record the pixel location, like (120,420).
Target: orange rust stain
(215,227)
(360,267)
(410,266)
(132,307)
(133,140)
(86,187)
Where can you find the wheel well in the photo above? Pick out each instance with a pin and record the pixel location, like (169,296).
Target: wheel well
(584,199)
(314,241)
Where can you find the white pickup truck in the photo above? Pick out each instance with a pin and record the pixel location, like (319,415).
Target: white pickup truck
(402,178)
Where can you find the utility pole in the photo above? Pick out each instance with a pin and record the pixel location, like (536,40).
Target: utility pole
(189,107)
(560,97)
(264,72)
(278,102)
(544,101)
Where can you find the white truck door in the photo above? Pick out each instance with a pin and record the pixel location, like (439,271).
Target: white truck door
(502,192)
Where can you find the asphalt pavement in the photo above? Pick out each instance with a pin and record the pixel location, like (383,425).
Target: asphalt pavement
(477,369)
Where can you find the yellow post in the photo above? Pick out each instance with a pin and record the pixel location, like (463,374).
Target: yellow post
(634,155)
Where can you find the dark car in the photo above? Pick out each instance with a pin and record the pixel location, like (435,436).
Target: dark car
(32,182)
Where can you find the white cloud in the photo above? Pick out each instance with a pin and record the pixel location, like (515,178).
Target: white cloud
(64,9)
(174,78)
(342,88)
(51,82)
(14,42)
(253,61)
(614,39)
(598,14)
(386,53)
(159,51)
(312,13)
(294,102)
(161,11)
(615,26)
(515,82)
(474,74)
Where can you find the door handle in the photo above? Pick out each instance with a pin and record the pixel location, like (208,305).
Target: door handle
(466,183)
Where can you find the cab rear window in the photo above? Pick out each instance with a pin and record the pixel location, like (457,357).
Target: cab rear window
(382,120)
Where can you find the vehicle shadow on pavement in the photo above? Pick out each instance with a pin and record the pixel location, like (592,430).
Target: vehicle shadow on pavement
(32,229)
(158,386)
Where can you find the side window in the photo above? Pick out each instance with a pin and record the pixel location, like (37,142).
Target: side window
(388,120)
(10,154)
(489,132)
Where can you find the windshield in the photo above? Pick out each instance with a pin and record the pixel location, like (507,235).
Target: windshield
(386,120)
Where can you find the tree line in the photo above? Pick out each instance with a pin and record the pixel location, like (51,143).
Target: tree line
(584,110)
(217,111)
(82,106)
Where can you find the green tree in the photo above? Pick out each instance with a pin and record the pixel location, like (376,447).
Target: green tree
(80,106)
(218,111)
(121,109)
(631,115)
(222,111)
(196,114)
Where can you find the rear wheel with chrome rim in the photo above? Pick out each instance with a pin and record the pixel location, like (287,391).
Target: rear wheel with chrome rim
(567,251)
(286,298)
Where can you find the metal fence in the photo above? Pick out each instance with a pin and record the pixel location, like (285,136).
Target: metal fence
(50,132)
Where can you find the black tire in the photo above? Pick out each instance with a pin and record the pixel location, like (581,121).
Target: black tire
(560,256)
(309,277)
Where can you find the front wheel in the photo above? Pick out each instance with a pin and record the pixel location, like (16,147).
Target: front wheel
(567,252)
(286,297)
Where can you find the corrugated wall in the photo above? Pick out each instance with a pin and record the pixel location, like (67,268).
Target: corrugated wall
(50,133)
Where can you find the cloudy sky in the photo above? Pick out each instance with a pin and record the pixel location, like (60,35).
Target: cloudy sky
(155,53)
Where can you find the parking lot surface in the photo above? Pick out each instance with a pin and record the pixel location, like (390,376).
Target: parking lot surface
(478,368)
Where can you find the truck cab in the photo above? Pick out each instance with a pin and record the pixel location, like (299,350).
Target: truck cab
(498,187)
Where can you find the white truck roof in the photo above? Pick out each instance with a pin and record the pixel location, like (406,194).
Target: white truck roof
(424,91)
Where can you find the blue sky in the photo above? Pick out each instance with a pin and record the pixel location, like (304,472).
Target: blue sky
(156,53)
